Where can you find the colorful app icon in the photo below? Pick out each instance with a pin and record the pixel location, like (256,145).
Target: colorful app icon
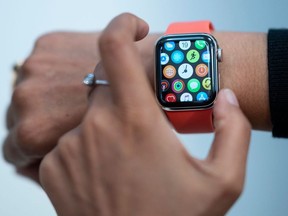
(201,70)
(186,97)
(184,45)
(169,46)
(200,44)
(164,85)
(169,71)
(193,85)
(206,83)
(177,57)
(202,96)
(170,98)
(178,86)
(185,71)
(206,56)
(192,56)
(164,58)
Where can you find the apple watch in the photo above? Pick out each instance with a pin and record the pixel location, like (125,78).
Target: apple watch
(187,77)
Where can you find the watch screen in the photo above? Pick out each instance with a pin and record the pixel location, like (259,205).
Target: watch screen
(185,71)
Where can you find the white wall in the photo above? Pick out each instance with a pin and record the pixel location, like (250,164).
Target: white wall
(21,22)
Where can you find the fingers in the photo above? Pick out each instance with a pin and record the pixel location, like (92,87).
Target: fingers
(10,117)
(12,153)
(31,171)
(121,60)
(232,136)
(100,95)
(99,74)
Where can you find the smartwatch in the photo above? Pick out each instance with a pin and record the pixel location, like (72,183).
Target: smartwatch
(187,77)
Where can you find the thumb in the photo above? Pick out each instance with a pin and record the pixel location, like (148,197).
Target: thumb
(232,136)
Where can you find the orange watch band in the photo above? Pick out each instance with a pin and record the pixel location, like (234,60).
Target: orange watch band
(191,121)
(190,27)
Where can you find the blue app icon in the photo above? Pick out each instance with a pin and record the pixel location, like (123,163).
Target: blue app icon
(169,46)
(206,56)
(177,57)
(164,58)
(202,96)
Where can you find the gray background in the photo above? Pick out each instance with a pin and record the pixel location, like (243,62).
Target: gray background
(21,22)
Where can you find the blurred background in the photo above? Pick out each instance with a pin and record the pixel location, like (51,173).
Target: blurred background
(22,22)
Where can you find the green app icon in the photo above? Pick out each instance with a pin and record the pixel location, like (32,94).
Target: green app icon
(178,86)
(193,56)
(193,85)
(200,44)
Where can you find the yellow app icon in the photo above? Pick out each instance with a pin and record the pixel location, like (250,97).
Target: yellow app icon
(206,83)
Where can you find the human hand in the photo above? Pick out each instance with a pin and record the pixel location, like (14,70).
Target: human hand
(124,159)
(48,98)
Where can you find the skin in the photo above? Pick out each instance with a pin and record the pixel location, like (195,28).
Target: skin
(244,70)
(43,107)
(35,125)
(124,159)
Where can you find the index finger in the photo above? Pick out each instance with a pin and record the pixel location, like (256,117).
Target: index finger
(122,62)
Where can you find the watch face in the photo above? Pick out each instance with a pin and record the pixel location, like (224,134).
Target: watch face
(186,71)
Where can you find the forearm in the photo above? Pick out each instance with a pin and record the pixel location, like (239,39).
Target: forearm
(244,70)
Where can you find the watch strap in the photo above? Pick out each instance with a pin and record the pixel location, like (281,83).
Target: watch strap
(199,121)
(191,121)
(190,27)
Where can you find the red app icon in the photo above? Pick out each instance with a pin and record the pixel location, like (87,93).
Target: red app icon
(164,85)
(170,98)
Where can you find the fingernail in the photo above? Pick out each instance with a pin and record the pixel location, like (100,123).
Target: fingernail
(230,97)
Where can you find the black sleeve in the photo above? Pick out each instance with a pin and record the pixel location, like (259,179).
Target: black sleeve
(278,80)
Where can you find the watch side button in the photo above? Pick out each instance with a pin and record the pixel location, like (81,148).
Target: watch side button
(219,55)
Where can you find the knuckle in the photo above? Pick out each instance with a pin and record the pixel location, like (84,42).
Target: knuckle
(66,139)
(34,62)
(20,94)
(100,122)
(46,169)
(29,67)
(68,147)
(47,163)
(46,40)
(61,159)
(95,122)
(230,186)
(34,136)
(6,150)
(25,136)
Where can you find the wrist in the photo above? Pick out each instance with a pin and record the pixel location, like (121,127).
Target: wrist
(244,70)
